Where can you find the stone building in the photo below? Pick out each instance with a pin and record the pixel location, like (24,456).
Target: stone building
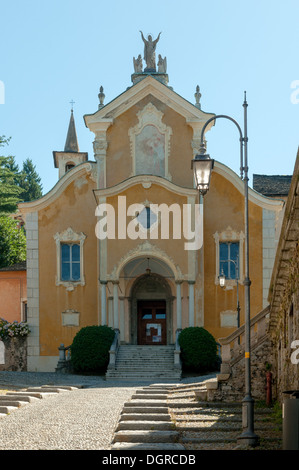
(124,239)
(284,296)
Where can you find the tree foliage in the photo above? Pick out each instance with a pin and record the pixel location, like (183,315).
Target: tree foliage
(15,185)
(30,182)
(12,242)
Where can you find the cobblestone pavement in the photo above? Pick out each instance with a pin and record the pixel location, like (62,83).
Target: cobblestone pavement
(82,419)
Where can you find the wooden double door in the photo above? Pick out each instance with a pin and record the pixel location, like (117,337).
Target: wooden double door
(151,322)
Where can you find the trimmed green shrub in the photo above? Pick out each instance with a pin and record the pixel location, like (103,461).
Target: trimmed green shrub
(90,349)
(198,349)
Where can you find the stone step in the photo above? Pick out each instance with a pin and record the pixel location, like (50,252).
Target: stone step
(63,387)
(141,378)
(159,387)
(146,436)
(144,365)
(129,356)
(147,346)
(127,409)
(145,416)
(29,394)
(145,425)
(148,403)
(15,403)
(151,391)
(46,390)
(147,446)
(22,398)
(7,409)
(149,397)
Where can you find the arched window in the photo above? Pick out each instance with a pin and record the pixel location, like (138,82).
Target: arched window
(69,166)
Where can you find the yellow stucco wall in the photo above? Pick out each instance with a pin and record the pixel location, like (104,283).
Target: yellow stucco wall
(224,207)
(73,208)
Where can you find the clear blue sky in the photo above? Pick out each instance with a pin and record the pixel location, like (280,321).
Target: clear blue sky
(54,51)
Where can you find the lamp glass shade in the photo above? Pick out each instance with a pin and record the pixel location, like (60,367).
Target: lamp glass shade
(222,280)
(202,166)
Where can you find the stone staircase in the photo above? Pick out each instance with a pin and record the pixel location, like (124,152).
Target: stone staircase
(134,362)
(178,417)
(13,400)
(145,423)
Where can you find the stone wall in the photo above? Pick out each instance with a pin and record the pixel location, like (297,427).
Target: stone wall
(231,386)
(286,346)
(14,356)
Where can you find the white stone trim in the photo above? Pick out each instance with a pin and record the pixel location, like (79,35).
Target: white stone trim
(269,250)
(134,94)
(144,250)
(70,317)
(69,236)
(33,348)
(228,319)
(145,181)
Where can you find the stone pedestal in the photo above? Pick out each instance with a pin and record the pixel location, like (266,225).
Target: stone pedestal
(161,77)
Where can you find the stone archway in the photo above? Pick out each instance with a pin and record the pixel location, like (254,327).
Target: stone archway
(153,291)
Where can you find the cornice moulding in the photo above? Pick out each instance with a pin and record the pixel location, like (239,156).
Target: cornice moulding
(146,181)
(137,92)
(71,176)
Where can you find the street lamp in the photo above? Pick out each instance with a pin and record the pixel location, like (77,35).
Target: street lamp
(222,279)
(202,166)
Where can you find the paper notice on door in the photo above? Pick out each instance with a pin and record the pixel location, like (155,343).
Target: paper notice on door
(157,333)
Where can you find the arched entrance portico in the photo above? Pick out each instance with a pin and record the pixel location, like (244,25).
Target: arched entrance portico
(151,312)
(144,275)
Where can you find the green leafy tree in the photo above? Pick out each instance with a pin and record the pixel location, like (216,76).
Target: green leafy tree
(30,182)
(12,242)
(15,185)
(9,189)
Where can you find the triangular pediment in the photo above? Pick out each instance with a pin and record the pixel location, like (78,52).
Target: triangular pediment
(147,86)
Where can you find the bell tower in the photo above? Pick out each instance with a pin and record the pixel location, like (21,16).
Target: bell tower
(71,156)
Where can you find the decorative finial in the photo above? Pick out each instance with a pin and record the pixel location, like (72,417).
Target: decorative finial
(197,97)
(72,103)
(101,96)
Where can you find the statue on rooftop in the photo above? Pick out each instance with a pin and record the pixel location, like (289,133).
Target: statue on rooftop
(149,51)
(162,64)
(137,64)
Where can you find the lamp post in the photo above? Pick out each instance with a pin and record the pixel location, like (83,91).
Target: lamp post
(202,166)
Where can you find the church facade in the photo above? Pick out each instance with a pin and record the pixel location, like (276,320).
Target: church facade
(125,239)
